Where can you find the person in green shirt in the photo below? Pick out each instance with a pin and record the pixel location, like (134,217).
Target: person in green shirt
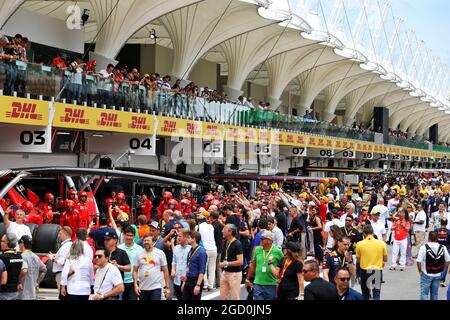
(264,257)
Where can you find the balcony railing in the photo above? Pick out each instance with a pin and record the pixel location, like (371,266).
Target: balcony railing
(408,143)
(439,148)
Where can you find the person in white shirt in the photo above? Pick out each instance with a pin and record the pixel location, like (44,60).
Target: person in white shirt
(59,259)
(430,279)
(278,237)
(206,230)
(18,228)
(108,283)
(437,216)
(179,263)
(81,235)
(349,210)
(106,84)
(329,243)
(419,230)
(77,276)
(382,209)
(378,227)
(393,201)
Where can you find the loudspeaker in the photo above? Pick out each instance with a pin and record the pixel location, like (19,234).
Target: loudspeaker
(160,146)
(181,168)
(105,163)
(381,122)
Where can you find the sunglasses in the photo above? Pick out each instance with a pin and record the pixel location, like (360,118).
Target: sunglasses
(344,279)
(306,271)
(349,220)
(98,256)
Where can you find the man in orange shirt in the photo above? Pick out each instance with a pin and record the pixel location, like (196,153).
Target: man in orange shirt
(401,229)
(143,228)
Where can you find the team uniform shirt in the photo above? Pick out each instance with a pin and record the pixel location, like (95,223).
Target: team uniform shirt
(133,252)
(72,220)
(46,211)
(34,267)
(179,261)
(149,272)
(420,216)
(85,215)
(14,264)
(107,278)
(146,208)
(378,229)
(34,217)
(334,261)
(422,255)
(80,282)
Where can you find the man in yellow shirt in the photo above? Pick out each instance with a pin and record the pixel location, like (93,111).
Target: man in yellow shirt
(349,190)
(371,254)
(361,189)
(402,191)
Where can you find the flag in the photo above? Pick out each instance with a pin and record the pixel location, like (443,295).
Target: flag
(16,198)
(33,197)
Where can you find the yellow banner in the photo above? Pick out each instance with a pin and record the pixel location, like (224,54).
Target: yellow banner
(179,127)
(212,131)
(294,139)
(88,118)
(24,111)
(344,145)
(264,136)
(320,142)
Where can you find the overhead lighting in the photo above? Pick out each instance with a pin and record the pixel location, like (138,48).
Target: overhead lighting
(98,135)
(63,133)
(153,34)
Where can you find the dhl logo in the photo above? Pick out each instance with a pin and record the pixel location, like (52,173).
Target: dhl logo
(338,144)
(234,132)
(290,138)
(139,123)
(320,142)
(212,131)
(74,116)
(329,143)
(109,120)
(23,111)
(300,139)
(250,134)
(278,137)
(263,136)
(192,128)
(169,126)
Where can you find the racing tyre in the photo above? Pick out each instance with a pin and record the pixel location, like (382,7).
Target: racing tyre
(33,228)
(46,238)
(2,230)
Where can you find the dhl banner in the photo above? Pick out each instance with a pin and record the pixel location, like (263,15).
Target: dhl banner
(24,111)
(347,145)
(321,142)
(179,127)
(288,139)
(88,118)
(240,134)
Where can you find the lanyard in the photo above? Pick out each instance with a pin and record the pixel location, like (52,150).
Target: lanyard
(268,254)
(228,248)
(285,266)
(341,261)
(101,283)
(191,255)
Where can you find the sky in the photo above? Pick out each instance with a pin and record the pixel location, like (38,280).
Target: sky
(431,21)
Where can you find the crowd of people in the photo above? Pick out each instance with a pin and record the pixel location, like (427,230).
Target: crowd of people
(288,243)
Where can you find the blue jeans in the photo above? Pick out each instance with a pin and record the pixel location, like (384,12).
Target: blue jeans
(444,275)
(150,294)
(429,285)
(264,292)
(448,293)
(11,77)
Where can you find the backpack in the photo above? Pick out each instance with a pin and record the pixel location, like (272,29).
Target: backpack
(435,262)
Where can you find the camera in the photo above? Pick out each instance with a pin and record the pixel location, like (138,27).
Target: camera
(113,204)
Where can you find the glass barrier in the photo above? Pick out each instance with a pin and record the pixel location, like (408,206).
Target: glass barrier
(408,143)
(438,148)
(93,90)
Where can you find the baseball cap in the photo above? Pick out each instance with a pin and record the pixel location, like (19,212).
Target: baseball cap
(154,225)
(358,199)
(373,212)
(201,216)
(111,235)
(365,208)
(294,247)
(26,240)
(267,235)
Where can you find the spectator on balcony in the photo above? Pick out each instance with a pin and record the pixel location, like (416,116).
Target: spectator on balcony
(22,68)
(308,116)
(240,101)
(249,103)
(166,86)
(134,77)
(75,84)
(11,53)
(176,88)
(59,63)
(205,93)
(261,105)
(106,85)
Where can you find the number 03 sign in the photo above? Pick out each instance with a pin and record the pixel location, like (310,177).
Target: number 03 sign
(25,139)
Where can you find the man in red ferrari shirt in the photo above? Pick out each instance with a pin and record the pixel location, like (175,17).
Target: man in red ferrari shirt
(72,195)
(185,207)
(164,205)
(83,209)
(208,201)
(121,210)
(323,207)
(401,229)
(70,217)
(32,215)
(146,206)
(192,200)
(110,199)
(46,208)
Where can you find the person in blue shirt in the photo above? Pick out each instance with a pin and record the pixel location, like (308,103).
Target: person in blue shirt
(342,280)
(195,268)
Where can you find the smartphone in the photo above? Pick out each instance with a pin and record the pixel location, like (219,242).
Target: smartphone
(15,208)
(113,204)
